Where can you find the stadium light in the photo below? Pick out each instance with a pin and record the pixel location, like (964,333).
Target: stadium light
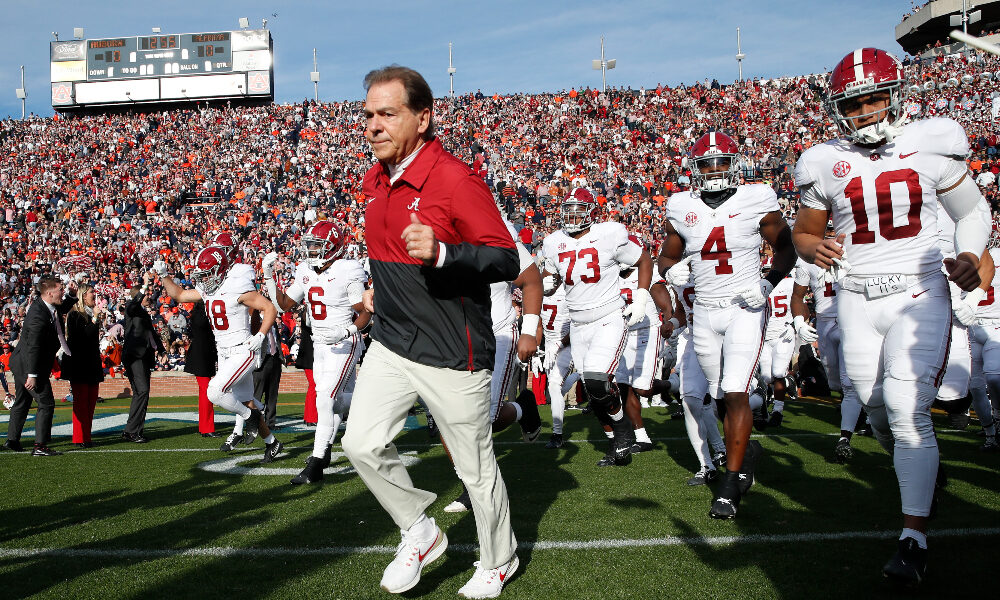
(604,66)
(739,53)
(20,93)
(451,72)
(78,33)
(314,77)
(55,34)
(244,23)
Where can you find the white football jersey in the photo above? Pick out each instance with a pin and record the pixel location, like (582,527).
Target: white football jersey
(781,308)
(229,319)
(988,307)
(725,240)
(885,199)
(555,321)
(686,295)
(589,265)
(326,294)
(628,286)
(502,309)
(824,292)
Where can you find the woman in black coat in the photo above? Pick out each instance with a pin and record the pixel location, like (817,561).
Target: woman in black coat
(200,362)
(84,367)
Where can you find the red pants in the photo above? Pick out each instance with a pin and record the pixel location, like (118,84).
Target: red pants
(538,387)
(310,415)
(206,412)
(84,403)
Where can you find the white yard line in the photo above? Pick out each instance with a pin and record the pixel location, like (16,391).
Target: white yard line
(600,544)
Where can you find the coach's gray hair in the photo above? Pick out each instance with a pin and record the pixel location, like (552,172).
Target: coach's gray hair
(418,93)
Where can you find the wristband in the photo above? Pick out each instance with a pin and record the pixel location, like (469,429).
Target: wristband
(529,324)
(673,321)
(352,329)
(798,321)
(974,297)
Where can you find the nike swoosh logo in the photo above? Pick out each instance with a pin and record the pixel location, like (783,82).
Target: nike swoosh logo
(503,575)
(918,293)
(902,156)
(736,215)
(420,557)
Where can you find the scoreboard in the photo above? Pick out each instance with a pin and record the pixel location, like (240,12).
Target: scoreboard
(162,68)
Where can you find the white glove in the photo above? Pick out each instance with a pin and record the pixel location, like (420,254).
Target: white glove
(838,270)
(637,310)
(788,334)
(680,273)
(536,362)
(337,336)
(256,340)
(965,309)
(756,296)
(267,265)
(160,268)
(551,350)
(806,332)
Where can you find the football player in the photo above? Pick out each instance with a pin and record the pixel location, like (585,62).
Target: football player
(229,297)
(717,228)
(557,357)
(587,255)
(882,182)
(984,334)
(331,286)
(780,344)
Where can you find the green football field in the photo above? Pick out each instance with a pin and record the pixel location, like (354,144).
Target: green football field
(177,518)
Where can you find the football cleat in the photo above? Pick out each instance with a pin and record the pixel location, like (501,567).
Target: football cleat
(658,403)
(461,504)
(621,443)
(991,444)
(640,447)
(726,503)
(327,456)
(958,421)
(556,441)
(704,476)
(760,419)
(775,420)
(746,473)
(843,450)
(719,459)
(249,438)
(312,473)
(231,442)
(608,460)
(432,428)
(272,451)
(487,583)
(908,566)
(411,556)
(531,423)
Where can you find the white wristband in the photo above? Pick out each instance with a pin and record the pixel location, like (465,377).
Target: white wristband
(352,329)
(673,321)
(974,297)
(529,324)
(798,321)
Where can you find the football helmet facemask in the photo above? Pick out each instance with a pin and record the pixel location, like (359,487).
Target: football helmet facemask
(864,72)
(227,242)
(210,268)
(323,243)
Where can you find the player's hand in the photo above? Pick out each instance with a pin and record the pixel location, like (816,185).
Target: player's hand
(756,296)
(680,274)
(551,350)
(267,265)
(256,340)
(160,268)
(829,250)
(637,310)
(527,345)
(337,336)
(420,241)
(963,271)
(29,384)
(965,309)
(368,300)
(666,329)
(806,332)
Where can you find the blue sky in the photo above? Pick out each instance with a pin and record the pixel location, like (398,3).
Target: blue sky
(504,46)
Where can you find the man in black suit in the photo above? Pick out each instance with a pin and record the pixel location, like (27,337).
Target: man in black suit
(138,357)
(267,378)
(42,335)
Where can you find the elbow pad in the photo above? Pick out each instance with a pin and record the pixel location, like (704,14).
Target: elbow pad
(355,292)
(966,206)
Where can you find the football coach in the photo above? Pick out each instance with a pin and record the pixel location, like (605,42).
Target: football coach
(435,242)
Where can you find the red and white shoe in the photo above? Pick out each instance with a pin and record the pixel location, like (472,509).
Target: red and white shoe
(8,401)
(411,556)
(487,583)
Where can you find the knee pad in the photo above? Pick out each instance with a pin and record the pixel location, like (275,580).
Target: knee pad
(600,390)
(955,407)
(908,405)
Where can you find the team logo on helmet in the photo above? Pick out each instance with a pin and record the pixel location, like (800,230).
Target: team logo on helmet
(841,169)
(691,219)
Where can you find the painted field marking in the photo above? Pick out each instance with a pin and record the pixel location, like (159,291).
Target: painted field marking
(231,465)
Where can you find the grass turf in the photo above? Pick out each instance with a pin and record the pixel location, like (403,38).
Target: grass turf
(116,521)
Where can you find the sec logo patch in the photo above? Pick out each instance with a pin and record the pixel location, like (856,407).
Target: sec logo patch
(841,169)
(691,219)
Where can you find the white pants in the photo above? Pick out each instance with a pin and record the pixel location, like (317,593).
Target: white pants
(955,384)
(831,355)
(637,366)
(776,357)
(554,380)
(387,386)
(232,384)
(597,346)
(896,350)
(505,367)
(699,418)
(334,368)
(728,342)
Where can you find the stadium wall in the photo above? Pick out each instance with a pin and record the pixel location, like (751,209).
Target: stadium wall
(168,384)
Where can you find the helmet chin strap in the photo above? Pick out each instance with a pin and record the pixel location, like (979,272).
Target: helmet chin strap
(716,199)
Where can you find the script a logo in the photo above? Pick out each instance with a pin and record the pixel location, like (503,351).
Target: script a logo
(415,205)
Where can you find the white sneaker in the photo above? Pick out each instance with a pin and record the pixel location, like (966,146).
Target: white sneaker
(487,583)
(643,403)
(404,571)
(659,403)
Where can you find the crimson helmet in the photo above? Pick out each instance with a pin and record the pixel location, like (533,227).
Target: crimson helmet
(210,268)
(712,151)
(225,241)
(862,72)
(579,211)
(322,243)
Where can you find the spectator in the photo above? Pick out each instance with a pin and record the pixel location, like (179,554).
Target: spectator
(82,366)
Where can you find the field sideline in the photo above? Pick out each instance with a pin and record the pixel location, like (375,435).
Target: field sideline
(177,518)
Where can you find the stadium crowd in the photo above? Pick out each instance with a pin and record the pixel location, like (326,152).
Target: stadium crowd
(108,194)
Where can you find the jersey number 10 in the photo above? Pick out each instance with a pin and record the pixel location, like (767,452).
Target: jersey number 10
(883,202)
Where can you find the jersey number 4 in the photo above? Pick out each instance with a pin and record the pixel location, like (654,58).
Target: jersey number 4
(883,202)
(594,265)
(715,249)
